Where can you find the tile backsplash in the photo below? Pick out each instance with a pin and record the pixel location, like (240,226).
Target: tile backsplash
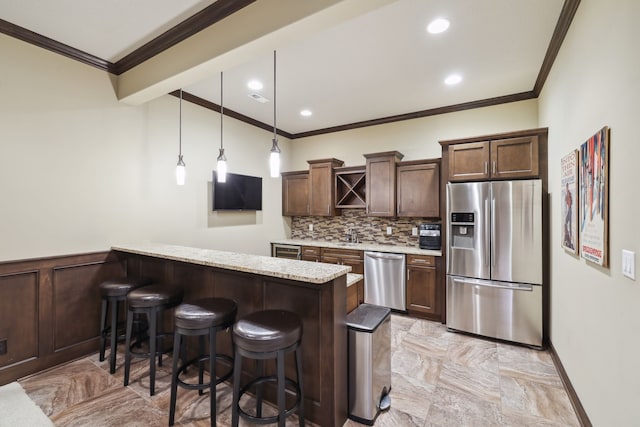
(368,229)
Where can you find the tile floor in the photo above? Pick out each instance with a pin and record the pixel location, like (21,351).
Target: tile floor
(439,378)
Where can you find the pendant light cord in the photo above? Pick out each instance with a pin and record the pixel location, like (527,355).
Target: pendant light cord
(221,108)
(180,128)
(274,96)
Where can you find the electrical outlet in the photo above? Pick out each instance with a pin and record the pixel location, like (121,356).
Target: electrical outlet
(3,346)
(414,231)
(310,227)
(629,264)
(389,230)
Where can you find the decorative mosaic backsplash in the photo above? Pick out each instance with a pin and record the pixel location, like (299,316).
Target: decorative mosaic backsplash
(369,229)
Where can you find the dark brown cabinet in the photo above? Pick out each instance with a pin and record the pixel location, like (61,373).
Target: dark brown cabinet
(515,158)
(422,290)
(310,253)
(321,186)
(352,257)
(495,159)
(355,295)
(350,187)
(418,189)
(295,193)
(381,183)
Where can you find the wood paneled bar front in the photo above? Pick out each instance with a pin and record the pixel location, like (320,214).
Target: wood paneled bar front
(314,291)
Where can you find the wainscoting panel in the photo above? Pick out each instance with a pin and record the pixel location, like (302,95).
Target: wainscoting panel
(50,310)
(19,317)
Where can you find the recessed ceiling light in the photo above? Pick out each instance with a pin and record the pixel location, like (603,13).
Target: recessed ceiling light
(438,25)
(453,79)
(306,113)
(255,85)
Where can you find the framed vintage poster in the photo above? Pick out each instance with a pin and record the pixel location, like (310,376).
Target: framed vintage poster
(569,210)
(594,198)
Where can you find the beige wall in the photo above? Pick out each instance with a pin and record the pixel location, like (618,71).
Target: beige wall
(81,171)
(416,139)
(595,318)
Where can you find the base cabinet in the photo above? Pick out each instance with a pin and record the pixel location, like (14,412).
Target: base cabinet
(310,253)
(355,295)
(422,290)
(351,257)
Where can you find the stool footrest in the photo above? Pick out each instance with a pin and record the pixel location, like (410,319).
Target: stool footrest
(275,418)
(191,386)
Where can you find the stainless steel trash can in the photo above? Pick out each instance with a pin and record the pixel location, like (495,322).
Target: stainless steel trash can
(369,329)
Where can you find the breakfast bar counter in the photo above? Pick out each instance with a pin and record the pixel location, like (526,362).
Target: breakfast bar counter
(314,291)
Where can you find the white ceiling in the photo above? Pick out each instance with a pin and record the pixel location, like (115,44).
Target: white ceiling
(380,64)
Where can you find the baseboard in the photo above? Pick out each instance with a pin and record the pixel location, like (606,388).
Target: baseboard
(573,396)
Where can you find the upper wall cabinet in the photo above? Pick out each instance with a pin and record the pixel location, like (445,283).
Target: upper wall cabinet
(321,186)
(418,189)
(295,193)
(494,159)
(351,187)
(381,183)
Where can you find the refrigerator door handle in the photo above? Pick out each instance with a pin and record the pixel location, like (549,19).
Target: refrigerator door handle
(485,253)
(507,286)
(493,232)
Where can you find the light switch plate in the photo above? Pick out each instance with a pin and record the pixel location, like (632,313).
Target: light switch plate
(629,264)
(389,230)
(310,227)
(414,231)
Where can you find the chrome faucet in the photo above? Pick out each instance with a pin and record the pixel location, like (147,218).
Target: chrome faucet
(352,236)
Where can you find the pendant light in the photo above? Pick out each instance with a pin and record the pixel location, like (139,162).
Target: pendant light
(274,159)
(180,168)
(222,159)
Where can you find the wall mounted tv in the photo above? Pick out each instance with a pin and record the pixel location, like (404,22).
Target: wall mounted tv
(239,193)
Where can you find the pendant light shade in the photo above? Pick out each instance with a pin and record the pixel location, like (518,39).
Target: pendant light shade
(274,158)
(181,171)
(222,159)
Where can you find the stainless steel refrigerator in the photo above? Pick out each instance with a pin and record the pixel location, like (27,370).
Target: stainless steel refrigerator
(494,259)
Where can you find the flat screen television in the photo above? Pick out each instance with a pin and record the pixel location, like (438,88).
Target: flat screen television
(238,193)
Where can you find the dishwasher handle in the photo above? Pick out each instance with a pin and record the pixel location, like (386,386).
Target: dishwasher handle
(384,255)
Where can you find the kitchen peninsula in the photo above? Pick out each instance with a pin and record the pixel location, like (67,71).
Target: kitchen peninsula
(314,291)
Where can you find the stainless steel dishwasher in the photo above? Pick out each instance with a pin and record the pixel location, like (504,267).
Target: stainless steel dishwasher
(385,280)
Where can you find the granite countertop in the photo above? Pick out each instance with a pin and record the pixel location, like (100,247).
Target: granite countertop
(303,271)
(376,247)
(353,278)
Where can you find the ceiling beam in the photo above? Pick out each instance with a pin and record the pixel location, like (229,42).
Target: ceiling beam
(256,29)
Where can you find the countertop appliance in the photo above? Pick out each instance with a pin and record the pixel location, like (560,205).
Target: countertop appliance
(430,237)
(494,259)
(369,329)
(385,280)
(280,250)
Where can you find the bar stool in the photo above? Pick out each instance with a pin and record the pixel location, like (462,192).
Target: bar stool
(264,335)
(151,300)
(204,317)
(113,292)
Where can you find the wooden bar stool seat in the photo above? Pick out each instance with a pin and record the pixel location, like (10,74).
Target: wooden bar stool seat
(202,318)
(113,292)
(268,334)
(150,300)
